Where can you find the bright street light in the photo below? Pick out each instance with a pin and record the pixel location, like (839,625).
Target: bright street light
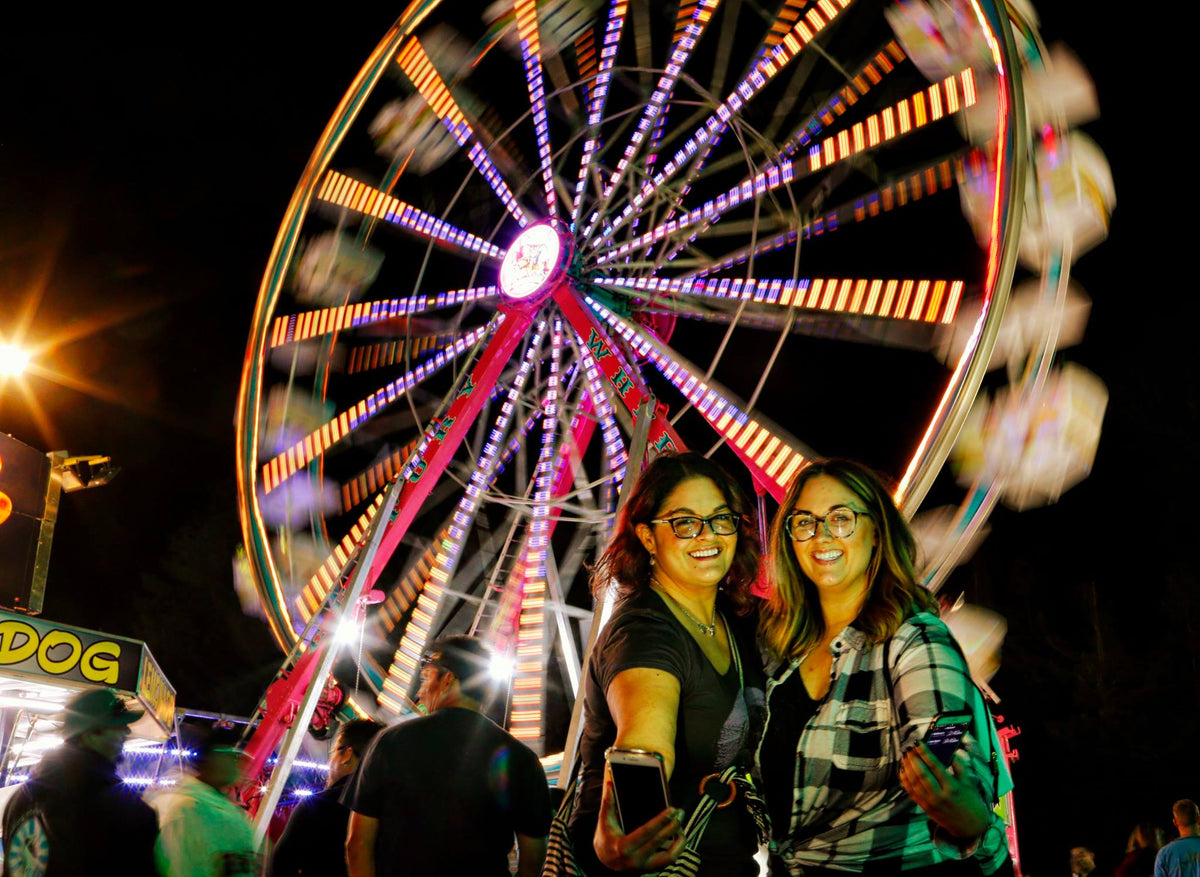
(12,360)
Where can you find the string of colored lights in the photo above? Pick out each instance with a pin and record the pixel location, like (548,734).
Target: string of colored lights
(366,357)
(528,696)
(312,597)
(929,301)
(310,324)
(938,177)
(299,455)
(680,53)
(406,660)
(417,66)
(805,29)
(598,96)
(767,451)
(939,100)
(410,585)
(531,49)
(870,74)
(344,191)
(374,479)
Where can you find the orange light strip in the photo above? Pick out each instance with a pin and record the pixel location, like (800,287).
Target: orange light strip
(376,477)
(286,464)
(911,112)
(420,70)
(344,191)
(367,357)
(845,295)
(311,324)
(330,571)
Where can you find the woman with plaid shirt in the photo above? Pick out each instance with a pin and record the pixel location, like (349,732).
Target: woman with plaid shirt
(860,666)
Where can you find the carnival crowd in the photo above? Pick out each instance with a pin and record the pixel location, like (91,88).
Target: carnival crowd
(830,727)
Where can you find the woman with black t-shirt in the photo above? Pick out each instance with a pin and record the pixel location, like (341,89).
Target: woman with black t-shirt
(675,670)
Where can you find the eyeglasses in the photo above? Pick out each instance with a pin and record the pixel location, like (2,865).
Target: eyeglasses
(431,661)
(839,523)
(689,526)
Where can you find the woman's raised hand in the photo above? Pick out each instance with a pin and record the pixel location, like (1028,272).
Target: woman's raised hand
(948,796)
(647,848)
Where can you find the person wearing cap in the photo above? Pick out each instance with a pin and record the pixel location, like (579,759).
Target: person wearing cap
(446,793)
(74,815)
(202,833)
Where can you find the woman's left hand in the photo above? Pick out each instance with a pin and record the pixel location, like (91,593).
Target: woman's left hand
(948,796)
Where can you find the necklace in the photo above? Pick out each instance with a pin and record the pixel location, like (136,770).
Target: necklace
(706,629)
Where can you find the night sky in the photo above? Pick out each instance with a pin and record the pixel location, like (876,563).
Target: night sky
(143,172)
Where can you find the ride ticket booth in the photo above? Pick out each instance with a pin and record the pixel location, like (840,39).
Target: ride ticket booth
(42,663)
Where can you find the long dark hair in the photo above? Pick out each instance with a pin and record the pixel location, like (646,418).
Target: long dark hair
(792,622)
(626,561)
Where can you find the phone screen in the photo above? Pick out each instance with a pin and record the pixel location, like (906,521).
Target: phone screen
(640,795)
(945,736)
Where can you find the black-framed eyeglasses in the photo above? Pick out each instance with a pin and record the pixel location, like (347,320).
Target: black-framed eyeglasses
(690,526)
(839,523)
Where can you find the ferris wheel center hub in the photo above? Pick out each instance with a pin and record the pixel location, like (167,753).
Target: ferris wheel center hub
(536,261)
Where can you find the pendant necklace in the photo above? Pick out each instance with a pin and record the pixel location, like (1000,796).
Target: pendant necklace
(706,629)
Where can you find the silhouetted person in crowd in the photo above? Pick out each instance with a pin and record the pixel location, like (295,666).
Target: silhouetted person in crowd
(1083,861)
(1181,857)
(444,794)
(202,833)
(74,815)
(314,841)
(1140,851)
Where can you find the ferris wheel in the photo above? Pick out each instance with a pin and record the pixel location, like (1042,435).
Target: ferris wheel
(539,241)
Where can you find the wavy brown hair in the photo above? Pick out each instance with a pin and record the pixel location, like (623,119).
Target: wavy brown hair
(627,562)
(792,622)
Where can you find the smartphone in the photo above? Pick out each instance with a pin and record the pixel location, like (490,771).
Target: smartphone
(945,735)
(640,784)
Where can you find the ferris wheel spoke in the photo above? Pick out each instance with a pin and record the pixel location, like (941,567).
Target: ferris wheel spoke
(771,455)
(385,354)
(449,545)
(316,443)
(938,101)
(696,148)
(528,698)
(313,595)
(626,381)
(681,51)
(929,301)
(312,324)
(614,447)
(413,581)
(417,66)
(598,96)
(531,54)
(345,191)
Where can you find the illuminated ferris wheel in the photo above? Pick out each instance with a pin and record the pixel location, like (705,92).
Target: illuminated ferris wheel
(535,244)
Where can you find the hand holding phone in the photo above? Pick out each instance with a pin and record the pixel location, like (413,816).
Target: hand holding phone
(639,786)
(945,735)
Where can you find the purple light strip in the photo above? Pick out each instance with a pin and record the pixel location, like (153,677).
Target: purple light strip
(420,70)
(614,447)
(356,195)
(412,642)
(700,143)
(527,31)
(666,85)
(599,96)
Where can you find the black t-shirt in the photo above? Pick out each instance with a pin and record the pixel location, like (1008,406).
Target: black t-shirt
(314,841)
(449,790)
(714,727)
(791,708)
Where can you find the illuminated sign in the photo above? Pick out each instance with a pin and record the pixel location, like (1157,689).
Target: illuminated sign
(530,261)
(45,652)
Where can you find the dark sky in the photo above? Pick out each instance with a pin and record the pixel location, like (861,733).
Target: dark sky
(143,171)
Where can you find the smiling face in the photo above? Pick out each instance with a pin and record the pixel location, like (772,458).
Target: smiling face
(835,564)
(697,563)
